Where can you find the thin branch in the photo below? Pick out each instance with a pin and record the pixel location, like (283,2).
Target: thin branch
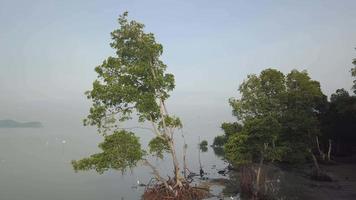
(135,127)
(159,134)
(163,118)
(155,172)
(184,157)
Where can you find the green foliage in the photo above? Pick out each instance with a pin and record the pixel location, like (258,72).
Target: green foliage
(257,138)
(219,152)
(203,146)
(121,150)
(203,143)
(339,95)
(237,150)
(338,122)
(259,109)
(171,121)
(231,128)
(219,141)
(353,74)
(131,81)
(304,100)
(260,95)
(279,115)
(158,146)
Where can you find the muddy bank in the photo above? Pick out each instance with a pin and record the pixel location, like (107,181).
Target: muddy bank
(291,182)
(342,187)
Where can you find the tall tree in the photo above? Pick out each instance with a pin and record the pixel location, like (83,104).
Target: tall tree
(279,116)
(284,113)
(261,95)
(260,104)
(304,100)
(133,82)
(259,110)
(338,122)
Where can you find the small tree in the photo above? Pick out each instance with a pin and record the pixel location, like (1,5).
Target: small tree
(303,102)
(261,103)
(203,144)
(132,82)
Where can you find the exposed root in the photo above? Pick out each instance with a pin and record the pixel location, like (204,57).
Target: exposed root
(185,192)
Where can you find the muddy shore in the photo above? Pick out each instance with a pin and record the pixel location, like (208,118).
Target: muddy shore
(295,183)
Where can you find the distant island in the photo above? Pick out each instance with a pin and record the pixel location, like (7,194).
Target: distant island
(8,123)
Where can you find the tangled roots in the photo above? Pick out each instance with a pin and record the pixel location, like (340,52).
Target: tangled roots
(185,192)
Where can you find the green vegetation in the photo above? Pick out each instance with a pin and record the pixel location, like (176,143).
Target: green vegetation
(219,141)
(203,146)
(287,118)
(134,82)
(203,143)
(338,125)
(116,154)
(279,115)
(277,120)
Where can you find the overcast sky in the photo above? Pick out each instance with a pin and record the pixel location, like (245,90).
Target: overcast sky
(48,50)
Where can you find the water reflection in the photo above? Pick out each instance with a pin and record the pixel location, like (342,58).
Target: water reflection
(219,152)
(204,149)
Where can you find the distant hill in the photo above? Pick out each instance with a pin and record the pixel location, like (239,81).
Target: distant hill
(14,124)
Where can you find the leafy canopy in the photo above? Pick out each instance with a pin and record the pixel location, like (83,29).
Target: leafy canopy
(133,82)
(203,146)
(279,116)
(120,151)
(338,122)
(158,146)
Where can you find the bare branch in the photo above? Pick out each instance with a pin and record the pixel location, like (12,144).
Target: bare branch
(155,172)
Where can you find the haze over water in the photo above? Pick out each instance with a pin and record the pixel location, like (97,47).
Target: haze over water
(35,165)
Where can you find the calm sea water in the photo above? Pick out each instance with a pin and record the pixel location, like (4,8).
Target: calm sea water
(35,165)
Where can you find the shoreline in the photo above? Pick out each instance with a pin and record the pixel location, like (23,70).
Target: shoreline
(295,183)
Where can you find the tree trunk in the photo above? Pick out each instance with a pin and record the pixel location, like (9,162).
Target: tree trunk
(329,151)
(246,180)
(315,161)
(168,133)
(322,154)
(258,176)
(156,173)
(177,177)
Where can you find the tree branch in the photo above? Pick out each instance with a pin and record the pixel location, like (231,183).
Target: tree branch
(156,173)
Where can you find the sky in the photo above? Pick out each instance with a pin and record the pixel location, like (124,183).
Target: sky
(48,51)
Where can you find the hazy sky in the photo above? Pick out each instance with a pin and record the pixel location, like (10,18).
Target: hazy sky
(48,50)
